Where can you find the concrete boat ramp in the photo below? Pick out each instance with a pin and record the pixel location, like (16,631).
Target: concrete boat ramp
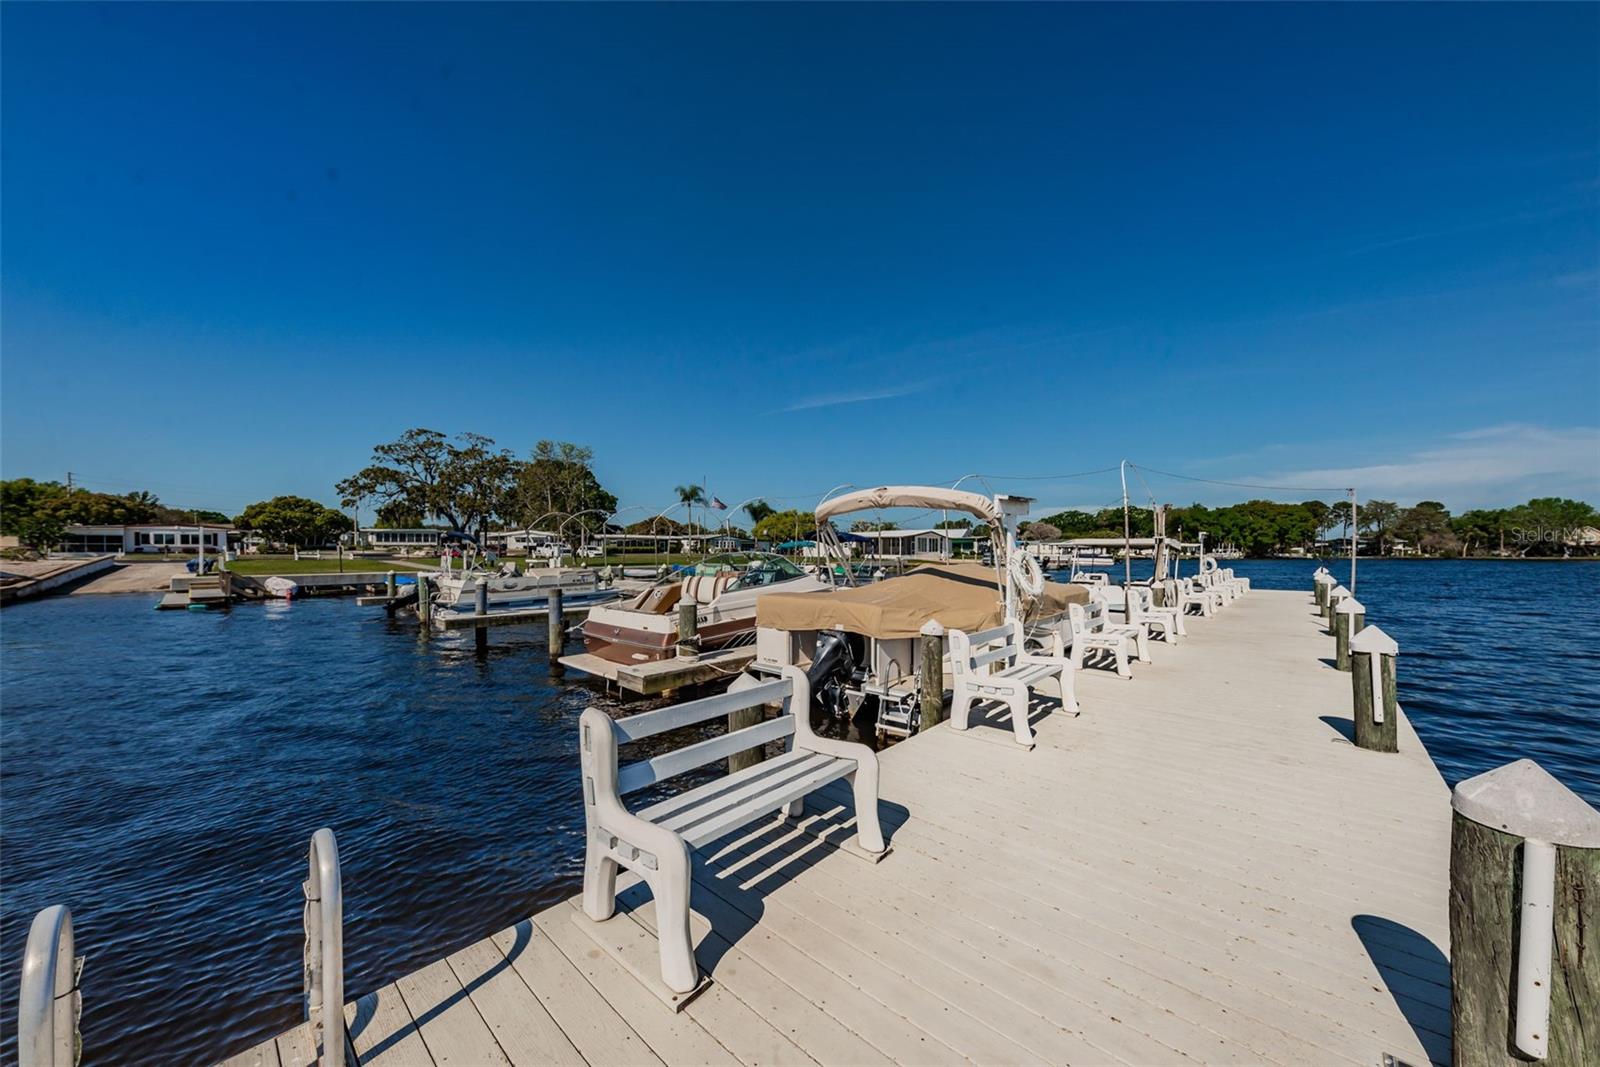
(1198,867)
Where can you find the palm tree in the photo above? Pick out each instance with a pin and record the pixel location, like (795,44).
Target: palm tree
(689,496)
(758,510)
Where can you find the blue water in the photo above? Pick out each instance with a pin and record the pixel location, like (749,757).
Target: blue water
(163,771)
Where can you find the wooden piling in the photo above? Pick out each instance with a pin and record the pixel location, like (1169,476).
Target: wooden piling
(1348,621)
(557,626)
(688,630)
(388,584)
(1336,594)
(931,678)
(424,601)
(1375,709)
(480,608)
(1525,972)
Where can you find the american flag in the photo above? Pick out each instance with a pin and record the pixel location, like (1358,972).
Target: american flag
(718,505)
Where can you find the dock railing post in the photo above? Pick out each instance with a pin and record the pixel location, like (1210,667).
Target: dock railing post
(931,676)
(49,1003)
(1348,620)
(388,584)
(1336,594)
(1524,905)
(556,632)
(1374,700)
(324,949)
(1320,584)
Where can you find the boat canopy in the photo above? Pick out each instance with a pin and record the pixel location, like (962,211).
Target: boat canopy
(1112,542)
(911,496)
(961,597)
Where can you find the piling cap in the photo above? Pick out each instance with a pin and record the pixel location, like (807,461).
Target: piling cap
(1375,641)
(1324,578)
(1339,590)
(1350,606)
(933,628)
(1524,800)
(1320,570)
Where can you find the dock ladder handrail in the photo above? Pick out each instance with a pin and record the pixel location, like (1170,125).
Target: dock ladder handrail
(324,952)
(48,1002)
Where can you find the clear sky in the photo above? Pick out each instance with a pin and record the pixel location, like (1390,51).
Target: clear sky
(784,248)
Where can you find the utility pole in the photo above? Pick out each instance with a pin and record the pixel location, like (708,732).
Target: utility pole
(69,483)
(1353,528)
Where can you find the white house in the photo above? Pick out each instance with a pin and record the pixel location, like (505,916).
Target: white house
(922,544)
(395,540)
(146,538)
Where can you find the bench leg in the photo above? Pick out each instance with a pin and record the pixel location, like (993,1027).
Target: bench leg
(1069,693)
(864,784)
(599,883)
(669,884)
(960,707)
(1122,660)
(1179,616)
(795,808)
(1019,717)
(1141,641)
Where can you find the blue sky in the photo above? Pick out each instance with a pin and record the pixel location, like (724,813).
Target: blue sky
(784,248)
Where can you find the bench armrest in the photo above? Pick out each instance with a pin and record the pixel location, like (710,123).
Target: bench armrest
(597,744)
(804,738)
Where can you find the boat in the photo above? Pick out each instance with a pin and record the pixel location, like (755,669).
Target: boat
(457,590)
(860,644)
(282,588)
(725,587)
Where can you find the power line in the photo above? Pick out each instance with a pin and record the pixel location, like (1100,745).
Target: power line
(1251,485)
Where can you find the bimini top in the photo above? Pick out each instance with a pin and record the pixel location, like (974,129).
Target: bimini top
(962,597)
(910,496)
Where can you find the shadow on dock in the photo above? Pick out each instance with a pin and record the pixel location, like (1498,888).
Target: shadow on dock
(1342,725)
(1417,975)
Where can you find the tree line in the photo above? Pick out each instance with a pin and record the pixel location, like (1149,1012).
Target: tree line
(1544,526)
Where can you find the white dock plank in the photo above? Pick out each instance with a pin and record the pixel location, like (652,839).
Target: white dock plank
(600,1035)
(263,1055)
(520,1024)
(382,1031)
(449,1023)
(297,1048)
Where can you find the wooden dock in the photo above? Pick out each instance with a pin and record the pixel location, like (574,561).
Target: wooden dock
(1197,867)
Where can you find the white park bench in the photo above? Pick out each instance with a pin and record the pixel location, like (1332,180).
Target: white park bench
(1240,585)
(654,842)
(1180,593)
(1141,611)
(993,664)
(1091,633)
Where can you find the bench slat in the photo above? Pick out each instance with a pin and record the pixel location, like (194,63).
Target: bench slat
(984,658)
(725,819)
(636,776)
(688,812)
(994,633)
(650,723)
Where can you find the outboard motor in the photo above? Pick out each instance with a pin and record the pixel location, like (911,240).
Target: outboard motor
(831,672)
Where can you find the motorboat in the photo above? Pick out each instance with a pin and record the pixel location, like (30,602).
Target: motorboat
(725,589)
(860,644)
(457,590)
(282,588)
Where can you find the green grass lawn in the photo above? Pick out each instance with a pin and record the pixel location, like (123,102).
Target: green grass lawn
(259,565)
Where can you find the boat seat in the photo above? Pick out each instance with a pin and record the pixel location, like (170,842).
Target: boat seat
(705,588)
(661,599)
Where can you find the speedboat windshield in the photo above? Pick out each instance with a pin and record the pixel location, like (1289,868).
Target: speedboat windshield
(766,570)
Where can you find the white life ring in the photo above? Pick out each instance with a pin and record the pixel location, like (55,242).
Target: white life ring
(1208,564)
(1026,572)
